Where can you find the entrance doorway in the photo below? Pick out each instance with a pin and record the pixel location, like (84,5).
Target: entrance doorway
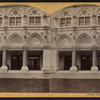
(86,62)
(67,62)
(16,62)
(34,62)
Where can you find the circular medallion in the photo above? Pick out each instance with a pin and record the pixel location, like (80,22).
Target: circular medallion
(65,13)
(34,12)
(84,12)
(15,12)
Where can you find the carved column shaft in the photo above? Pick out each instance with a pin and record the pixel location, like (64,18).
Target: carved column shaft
(4,58)
(94,57)
(24,67)
(74,57)
(94,61)
(74,67)
(25,58)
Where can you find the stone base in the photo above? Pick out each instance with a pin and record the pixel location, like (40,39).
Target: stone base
(4,69)
(73,69)
(94,69)
(24,69)
(49,70)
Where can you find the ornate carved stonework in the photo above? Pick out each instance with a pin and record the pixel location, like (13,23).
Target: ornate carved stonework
(64,43)
(34,41)
(14,42)
(84,42)
(46,46)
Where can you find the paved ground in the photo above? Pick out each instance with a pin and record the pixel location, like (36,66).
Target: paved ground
(50,85)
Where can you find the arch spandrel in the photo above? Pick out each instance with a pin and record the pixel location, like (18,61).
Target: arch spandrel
(35,41)
(84,41)
(84,12)
(64,42)
(15,12)
(98,41)
(15,41)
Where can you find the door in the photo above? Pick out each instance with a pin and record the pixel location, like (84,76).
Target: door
(16,62)
(67,62)
(86,62)
(34,63)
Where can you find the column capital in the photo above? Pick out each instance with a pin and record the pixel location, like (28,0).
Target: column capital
(47,46)
(94,47)
(74,47)
(24,47)
(4,47)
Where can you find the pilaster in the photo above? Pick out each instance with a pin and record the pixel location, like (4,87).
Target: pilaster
(94,67)
(24,67)
(4,67)
(74,67)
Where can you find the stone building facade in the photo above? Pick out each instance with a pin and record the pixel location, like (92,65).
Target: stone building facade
(32,40)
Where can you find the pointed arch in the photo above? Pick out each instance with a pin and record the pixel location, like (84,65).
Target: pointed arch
(35,40)
(66,10)
(15,40)
(64,41)
(14,10)
(82,9)
(98,41)
(84,41)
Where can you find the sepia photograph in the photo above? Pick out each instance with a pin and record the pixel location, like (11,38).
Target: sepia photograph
(54,48)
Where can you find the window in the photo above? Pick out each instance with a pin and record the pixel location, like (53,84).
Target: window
(15,21)
(0,21)
(68,21)
(31,20)
(62,22)
(87,20)
(65,22)
(84,21)
(34,20)
(18,21)
(38,20)
(98,20)
(81,21)
(12,21)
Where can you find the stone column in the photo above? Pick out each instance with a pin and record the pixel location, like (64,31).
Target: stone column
(54,60)
(25,67)
(74,67)
(4,67)
(94,60)
(47,68)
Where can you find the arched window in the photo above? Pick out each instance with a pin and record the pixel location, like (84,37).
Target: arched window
(1,18)
(65,19)
(84,18)
(98,17)
(34,17)
(15,18)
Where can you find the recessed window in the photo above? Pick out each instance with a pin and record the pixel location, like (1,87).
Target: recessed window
(15,21)
(62,22)
(68,21)
(98,20)
(87,20)
(34,20)
(81,21)
(65,22)
(0,21)
(38,20)
(12,21)
(18,21)
(31,20)
(84,21)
